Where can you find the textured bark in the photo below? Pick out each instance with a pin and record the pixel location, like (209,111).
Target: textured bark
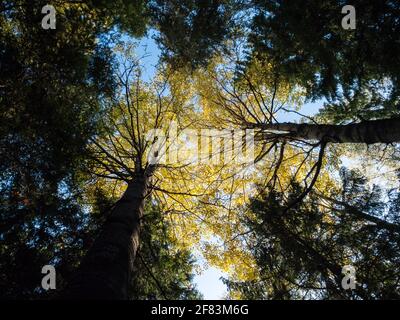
(105,271)
(374,131)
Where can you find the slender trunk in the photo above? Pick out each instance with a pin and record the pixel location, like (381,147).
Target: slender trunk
(105,271)
(374,131)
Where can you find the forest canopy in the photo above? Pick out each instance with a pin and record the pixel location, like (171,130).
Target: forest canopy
(264,144)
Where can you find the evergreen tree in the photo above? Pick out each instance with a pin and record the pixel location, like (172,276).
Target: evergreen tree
(300,252)
(162,271)
(357,71)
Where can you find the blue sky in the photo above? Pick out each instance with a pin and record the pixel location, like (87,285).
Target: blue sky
(210,285)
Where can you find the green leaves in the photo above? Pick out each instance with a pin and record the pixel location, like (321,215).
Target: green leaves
(300,252)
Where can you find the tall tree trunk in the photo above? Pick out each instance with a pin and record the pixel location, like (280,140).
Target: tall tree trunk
(374,131)
(105,271)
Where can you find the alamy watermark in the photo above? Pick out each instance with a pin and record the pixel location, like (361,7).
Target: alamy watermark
(195,146)
(49,20)
(349,20)
(349,280)
(49,280)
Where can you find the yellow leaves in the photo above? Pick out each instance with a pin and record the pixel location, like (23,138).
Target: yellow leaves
(232,258)
(184,231)
(64,7)
(207,203)
(230,99)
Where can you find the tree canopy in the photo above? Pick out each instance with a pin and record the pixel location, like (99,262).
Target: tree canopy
(125,181)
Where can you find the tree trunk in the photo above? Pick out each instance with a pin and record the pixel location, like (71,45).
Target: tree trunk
(374,131)
(105,271)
